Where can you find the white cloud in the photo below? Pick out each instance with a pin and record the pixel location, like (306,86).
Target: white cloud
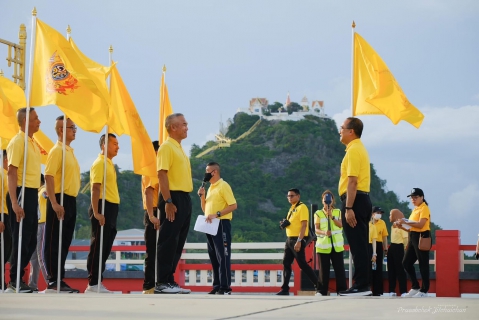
(462,202)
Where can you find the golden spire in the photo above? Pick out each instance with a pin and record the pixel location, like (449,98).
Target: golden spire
(353,25)
(111,49)
(69,30)
(164,68)
(34,12)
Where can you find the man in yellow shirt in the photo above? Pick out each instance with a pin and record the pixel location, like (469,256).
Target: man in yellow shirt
(354,185)
(149,193)
(174,175)
(57,212)
(5,225)
(296,230)
(99,218)
(219,204)
(32,171)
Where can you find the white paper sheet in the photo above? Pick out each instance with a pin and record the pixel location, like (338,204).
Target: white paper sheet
(210,228)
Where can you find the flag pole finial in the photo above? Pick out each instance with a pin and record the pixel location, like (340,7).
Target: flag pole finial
(1,73)
(164,68)
(111,49)
(69,30)
(34,12)
(353,25)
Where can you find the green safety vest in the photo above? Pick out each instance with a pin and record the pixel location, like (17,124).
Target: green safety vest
(323,243)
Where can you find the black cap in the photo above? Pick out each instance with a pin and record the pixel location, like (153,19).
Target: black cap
(416,192)
(377,209)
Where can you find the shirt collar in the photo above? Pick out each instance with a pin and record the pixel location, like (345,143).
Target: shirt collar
(67,147)
(355,141)
(217,182)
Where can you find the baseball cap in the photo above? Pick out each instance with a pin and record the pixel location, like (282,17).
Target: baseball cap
(378,209)
(416,192)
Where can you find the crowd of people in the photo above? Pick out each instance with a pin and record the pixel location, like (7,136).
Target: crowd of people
(46,237)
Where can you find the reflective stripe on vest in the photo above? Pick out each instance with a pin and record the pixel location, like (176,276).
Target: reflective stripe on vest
(323,244)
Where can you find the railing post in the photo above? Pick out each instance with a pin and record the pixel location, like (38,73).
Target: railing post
(447,263)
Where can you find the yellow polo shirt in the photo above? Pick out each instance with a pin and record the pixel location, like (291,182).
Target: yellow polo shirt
(355,164)
(295,216)
(219,196)
(173,159)
(42,204)
(381,230)
(147,182)
(373,233)
(5,191)
(72,169)
(96,176)
(15,152)
(398,235)
(422,211)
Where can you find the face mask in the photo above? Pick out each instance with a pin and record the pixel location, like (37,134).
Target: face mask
(208,176)
(377,216)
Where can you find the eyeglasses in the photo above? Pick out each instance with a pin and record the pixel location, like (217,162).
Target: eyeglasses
(291,195)
(414,197)
(74,128)
(342,128)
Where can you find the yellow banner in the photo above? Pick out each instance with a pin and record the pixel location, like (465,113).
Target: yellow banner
(165,110)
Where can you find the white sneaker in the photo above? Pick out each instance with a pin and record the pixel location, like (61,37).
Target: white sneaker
(166,288)
(392,294)
(182,290)
(94,289)
(411,293)
(420,295)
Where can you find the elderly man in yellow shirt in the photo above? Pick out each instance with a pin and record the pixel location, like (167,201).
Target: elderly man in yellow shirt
(32,171)
(219,203)
(98,218)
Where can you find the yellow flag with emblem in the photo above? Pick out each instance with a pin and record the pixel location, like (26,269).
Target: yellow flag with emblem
(165,109)
(376,91)
(144,159)
(61,78)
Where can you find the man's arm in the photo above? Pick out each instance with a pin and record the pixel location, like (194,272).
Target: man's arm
(350,197)
(149,206)
(228,209)
(95,198)
(170,208)
(304,225)
(12,190)
(50,182)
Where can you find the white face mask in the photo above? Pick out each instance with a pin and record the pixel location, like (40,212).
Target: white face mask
(377,216)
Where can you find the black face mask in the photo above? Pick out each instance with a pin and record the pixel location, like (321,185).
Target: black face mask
(207,177)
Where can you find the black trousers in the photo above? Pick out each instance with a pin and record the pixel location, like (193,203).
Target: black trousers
(288,258)
(395,268)
(7,242)
(109,234)
(358,238)
(172,235)
(412,255)
(325,260)
(29,231)
(219,251)
(52,232)
(377,275)
(150,257)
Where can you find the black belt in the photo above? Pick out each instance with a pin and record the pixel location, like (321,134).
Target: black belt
(343,196)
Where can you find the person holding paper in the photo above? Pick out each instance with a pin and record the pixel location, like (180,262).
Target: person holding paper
(419,221)
(55,211)
(149,188)
(16,170)
(219,203)
(396,271)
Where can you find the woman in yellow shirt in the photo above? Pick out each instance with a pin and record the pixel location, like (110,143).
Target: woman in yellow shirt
(418,226)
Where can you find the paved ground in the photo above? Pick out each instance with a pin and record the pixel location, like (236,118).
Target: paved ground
(203,306)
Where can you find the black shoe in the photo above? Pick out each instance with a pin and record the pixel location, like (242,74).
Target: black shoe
(64,285)
(23,287)
(354,291)
(64,288)
(224,292)
(283,293)
(214,291)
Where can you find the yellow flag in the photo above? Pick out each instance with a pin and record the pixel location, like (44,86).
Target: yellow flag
(61,78)
(165,110)
(144,159)
(12,98)
(375,90)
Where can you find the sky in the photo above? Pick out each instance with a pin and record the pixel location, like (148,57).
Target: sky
(220,54)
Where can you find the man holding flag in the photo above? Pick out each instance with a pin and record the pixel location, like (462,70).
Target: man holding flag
(16,170)
(56,212)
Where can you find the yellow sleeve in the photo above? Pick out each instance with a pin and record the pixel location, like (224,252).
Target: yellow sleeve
(96,172)
(228,196)
(425,213)
(54,162)
(385,232)
(164,158)
(354,164)
(303,212)
(15,150)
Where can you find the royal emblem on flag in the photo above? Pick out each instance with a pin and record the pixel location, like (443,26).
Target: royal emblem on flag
(58,78)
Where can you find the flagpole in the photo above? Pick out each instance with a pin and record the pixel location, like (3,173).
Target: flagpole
(105,159)
(3,219)
(21,197)
(352,84)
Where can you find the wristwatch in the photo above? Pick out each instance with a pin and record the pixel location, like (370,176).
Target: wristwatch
(299,240)
(348,208)
(218,214)
(333,218)
(169,200)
